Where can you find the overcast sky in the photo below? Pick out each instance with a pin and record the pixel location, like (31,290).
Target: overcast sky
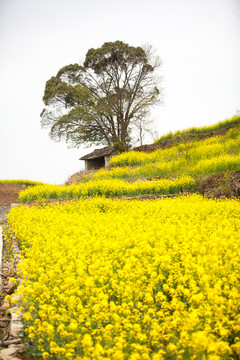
(198,41)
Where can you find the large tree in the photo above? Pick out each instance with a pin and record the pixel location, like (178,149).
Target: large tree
(102,100)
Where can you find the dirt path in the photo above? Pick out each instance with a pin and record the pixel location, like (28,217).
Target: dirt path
(9,193)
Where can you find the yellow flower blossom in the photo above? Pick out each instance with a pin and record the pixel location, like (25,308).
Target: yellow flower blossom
(118,279)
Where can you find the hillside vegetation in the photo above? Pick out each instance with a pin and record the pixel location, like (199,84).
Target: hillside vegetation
(205,131)
(108,278)
(173,170)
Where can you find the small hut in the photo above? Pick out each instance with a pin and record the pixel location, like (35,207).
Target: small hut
(99,158)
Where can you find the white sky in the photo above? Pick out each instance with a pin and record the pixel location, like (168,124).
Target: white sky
(198,41)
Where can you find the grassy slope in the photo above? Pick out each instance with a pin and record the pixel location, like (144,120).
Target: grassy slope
(215,129)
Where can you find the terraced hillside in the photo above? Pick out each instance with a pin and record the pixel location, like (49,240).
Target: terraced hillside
(108,278)
(209,164)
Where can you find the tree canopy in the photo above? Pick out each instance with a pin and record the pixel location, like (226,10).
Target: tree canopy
(105,98)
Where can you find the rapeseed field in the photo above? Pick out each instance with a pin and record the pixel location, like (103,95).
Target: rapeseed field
(214,155)
(108,188)
(170,171)
(21,182)
(118,279)
(106,278)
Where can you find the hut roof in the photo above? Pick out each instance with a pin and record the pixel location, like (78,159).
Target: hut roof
(98,153)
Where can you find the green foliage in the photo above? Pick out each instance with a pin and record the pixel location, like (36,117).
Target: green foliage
(116,53)
(101,101)
(119,146)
